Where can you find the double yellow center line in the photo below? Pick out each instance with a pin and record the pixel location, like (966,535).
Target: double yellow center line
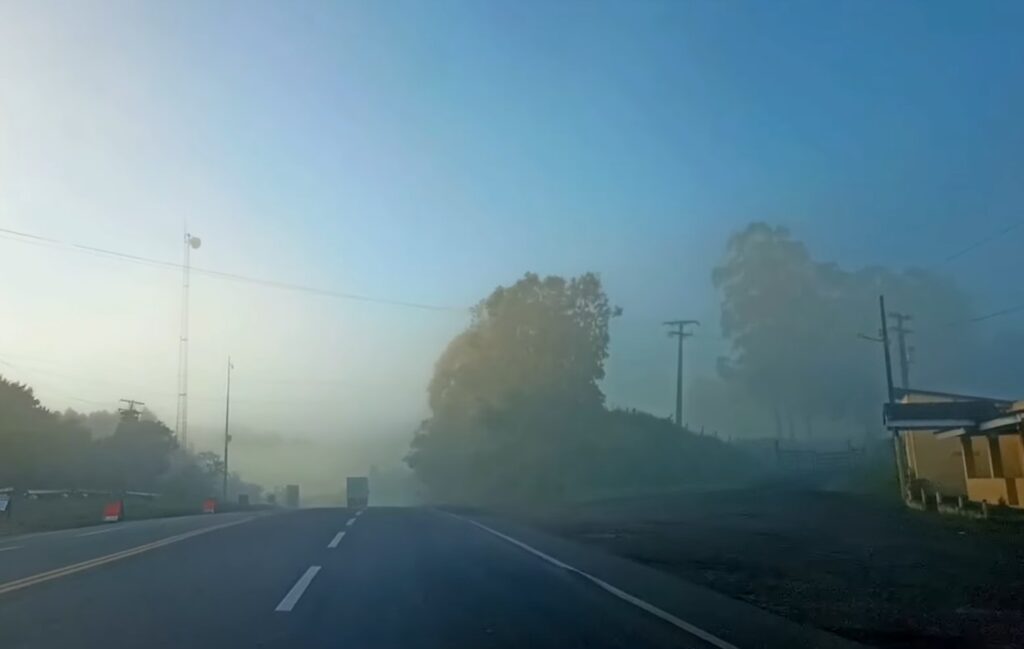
(56,573)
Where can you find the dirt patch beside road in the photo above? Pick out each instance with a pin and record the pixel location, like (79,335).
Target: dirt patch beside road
(870,571)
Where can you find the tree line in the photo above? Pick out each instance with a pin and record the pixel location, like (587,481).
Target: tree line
(102,450)
(801,359)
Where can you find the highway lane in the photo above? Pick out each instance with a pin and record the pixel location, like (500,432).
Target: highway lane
(409,578)
(35,553)
(425,580)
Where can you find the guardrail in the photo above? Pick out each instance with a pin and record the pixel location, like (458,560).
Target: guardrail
(32,510)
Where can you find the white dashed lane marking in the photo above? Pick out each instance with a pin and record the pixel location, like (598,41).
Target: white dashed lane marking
(293,596)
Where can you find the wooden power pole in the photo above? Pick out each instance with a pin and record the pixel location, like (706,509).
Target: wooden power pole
(901,345)
(679,331)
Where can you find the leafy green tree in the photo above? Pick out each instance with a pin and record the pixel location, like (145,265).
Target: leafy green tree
(136,455)
(509,393)
(37,448)
(794,323)
(538,336)
(99,423)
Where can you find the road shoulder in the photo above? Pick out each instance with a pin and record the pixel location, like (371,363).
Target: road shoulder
(736,622)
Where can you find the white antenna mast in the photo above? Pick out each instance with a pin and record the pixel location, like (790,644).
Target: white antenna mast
(181,417)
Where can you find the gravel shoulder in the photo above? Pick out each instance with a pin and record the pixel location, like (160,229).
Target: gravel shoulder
(858,567)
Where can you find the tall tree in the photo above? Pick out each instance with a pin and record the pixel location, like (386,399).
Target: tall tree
(794,324)
(37,448)
(136,455)
(504,390)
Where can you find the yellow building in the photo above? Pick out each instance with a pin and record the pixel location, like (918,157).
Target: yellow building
(998,475)
(935,462)
(958,445)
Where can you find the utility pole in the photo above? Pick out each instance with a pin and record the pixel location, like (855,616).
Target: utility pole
(130,413)
(901,342)
(227,434)
(679,331)
(897,440)
(885,346)
(181,416)
(884,340)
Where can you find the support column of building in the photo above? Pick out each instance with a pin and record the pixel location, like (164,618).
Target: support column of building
(967,448)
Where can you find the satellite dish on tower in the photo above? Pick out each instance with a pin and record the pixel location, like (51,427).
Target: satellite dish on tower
(194,242)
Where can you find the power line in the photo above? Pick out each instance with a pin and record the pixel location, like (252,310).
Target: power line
(6,356)
(981,318)
(995,314)
(981,242)
(971,248)
(49,388)
(104,380)
(25,237)
(156,392)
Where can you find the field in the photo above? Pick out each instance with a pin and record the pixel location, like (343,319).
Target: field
(857,566)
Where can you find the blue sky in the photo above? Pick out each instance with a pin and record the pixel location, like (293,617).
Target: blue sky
(481,139)
(429,151)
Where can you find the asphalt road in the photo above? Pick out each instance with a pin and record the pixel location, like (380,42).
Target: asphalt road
(402,578)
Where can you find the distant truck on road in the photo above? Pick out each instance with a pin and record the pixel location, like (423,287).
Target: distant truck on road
(291,496)
(357,491)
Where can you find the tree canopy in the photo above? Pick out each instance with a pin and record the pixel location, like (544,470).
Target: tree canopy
(36,444)
(795,325)
(540,336)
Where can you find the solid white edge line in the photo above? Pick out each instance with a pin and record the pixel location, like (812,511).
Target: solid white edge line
(349,522)
(103,531)
(336,540)
(10,547)
(292,598)
(621,594)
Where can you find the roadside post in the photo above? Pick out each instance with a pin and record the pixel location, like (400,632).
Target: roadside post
(5,505)
(113,511)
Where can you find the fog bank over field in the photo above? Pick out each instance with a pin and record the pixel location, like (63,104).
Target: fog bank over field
(320,464)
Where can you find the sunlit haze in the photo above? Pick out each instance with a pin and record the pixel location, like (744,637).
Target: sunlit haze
(617,324)
(429,152)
